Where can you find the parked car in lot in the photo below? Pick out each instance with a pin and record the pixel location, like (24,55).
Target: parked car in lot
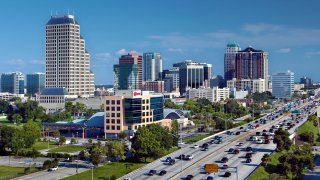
(209,178)
(189,177)
(259,141)
(225,166)
(231,150)
(249,148)
(236,151)
(224,160)
(240,143)
(248,155)
(248,160)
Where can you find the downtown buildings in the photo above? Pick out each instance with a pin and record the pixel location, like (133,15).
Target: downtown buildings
(246,69)
(67,60)
(12,83)
(35,83)
(283,84)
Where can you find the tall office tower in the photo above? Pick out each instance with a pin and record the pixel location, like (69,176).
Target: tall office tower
(128,73)
(35,83)
(283,84)
(67,60)
(191,75)
(171,79)
(230,60)
(306,81)
(152,66)
(252,64)
(12,83)
(207,69)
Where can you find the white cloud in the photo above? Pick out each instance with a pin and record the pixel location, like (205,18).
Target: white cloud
(42,62)
(284,50)
(310,54)
(175,50)
(124,51)
(261,27)
(16,62)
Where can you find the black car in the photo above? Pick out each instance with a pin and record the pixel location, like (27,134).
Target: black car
(258,133)
(209,178)
(248,155)
(248,160)
(189,177)
(168,159)
(241,127)
(238,133)
(264,130)
(172,161)
(162,172)
(249,148)
(182,156)
(231,150)
(152,172)
(204,145)
(256,121)
(227,174)
(224,160)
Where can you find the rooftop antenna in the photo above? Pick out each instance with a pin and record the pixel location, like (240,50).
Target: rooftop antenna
(51,13)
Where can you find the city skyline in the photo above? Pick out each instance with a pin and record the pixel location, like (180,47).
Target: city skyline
(198,31)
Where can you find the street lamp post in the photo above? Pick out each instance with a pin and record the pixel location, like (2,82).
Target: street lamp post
(92,173)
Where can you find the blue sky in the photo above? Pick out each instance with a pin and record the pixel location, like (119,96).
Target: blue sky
(183,29)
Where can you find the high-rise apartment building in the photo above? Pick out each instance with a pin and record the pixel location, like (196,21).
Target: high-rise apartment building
(152,66)
(35,83)
(252,64)
(283,84)
(171,79)
(12,83)
(193,75)
(67,60)
(230,60)
(128,73)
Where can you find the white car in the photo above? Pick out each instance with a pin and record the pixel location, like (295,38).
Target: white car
(196,146)
(259,141)
(189,157)
(53,169)
(271,133)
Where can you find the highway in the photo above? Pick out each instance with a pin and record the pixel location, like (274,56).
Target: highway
(182,168)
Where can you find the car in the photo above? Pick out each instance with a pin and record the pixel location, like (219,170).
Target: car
(224,160)
(267,141)
(196,146)
(127,179)
(189,157)
(248,155)
(257,125)
(231,150)
(225,166)
(240,143)
(264,130)
(218,141)
(238,133)
(227,174)
(259,141)
(182,156)
(256,121)
(205,149)
(249,148)
(229,133)
(246,130)
(172,162)
(168,159)
(258,133)
(241,127)
(271,134)
(271,130)
(53,168)
(162,172)
(204,145)
(189,177)
(236,151)
(152,172)
(209,178)
(248,160)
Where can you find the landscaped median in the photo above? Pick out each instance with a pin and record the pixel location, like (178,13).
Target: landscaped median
(7,172)
(67,149)
(114,170)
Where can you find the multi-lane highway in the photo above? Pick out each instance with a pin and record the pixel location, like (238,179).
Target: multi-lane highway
(215,152)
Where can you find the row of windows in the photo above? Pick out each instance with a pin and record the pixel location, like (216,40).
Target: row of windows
(113,108)
(113,121)
(112,127)
(112,101)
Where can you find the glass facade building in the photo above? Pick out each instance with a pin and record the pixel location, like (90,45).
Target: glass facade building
(152,66)
(35,83)
(126,76)
(283,84)
(12,83)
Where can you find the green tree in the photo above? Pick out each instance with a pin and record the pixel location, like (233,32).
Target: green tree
(7,133)
(32,132)
(17,118)
(68,106)
(123,135)
(62,140)
(162,135)
(169,104)
(115,150)
(56,133)
(96,156)
(265,159)
(281,138)
(145,144)
(17,141)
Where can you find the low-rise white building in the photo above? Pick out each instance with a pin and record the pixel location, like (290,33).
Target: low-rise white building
(238,94)
(53,99)
(213,94)
(250,85)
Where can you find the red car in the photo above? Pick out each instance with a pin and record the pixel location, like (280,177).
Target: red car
(257,126)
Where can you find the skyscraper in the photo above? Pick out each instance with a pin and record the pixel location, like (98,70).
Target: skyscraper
(251,64)
(128,73)
(152,66)
(171,79)
(230,60)
(306,81)
(283,84)
(12,83)
(35,83)
(67,60)
(193,75)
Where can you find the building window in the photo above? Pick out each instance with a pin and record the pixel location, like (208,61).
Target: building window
(118,114)
(118,121)
(143,108)
(118,108)
(143,101)
(147,107)
(118,101)
(113,127)
(113,102)
(143,114)
(108,127)
(112,108)
(147,101)
(113,121)
(118,127)
(107,102)
(107,108)
(112,114)
(147,113)
(108,121)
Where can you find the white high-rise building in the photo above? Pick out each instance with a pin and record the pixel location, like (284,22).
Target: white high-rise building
(283,84)
(152,66)
(67,61)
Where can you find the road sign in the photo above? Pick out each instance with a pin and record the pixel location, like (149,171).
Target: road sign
(211,168)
